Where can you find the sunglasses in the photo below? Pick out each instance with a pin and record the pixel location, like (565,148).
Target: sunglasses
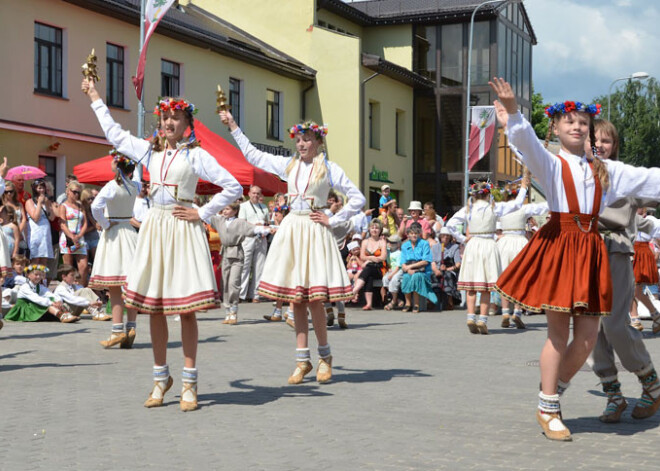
(75,192)
(10,192)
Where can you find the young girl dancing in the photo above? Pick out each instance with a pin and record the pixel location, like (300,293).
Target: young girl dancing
(115,254)
(304,264)
(173,269)
(481,260)
(646,273)
(572,277)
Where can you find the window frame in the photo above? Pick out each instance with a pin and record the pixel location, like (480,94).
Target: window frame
(53,61)
(236,99)
(121,66)
(273,115)
(175,75)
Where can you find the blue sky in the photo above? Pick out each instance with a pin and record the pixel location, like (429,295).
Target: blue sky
(584,45)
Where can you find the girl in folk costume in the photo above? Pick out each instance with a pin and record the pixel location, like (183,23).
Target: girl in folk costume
(115,254)
(174,271)
(232,232)
(5,255)
(304,264)
(513,240)
(646,273)
(481,260)
(36,303)
(618,224)
(572,278)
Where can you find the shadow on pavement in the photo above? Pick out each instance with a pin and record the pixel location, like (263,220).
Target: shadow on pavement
(15,354)
(348,375)
(628,426)
(213,339)
(46,335)
(365,326)
(4,368)
(250,395)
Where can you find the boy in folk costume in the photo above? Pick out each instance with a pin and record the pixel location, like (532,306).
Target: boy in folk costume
(76,300)
(174,274)
(572,278)
(618,225)
(481,260)
(304,264)
(233,231)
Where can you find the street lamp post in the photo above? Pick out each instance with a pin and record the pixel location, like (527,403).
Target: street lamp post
(635,76)
(467,96)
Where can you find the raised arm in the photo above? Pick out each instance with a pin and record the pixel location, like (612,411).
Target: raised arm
(626,180)
(505,207)
(457,219)
(122,140)
(536,209)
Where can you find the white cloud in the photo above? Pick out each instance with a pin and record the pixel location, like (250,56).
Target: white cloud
(584,45)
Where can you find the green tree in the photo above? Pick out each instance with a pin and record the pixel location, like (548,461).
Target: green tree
(636,115)
(539,119)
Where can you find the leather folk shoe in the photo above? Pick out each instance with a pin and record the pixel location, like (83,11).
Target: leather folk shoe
(553,427)
(324,370)
(302,368)
(115,339)
(472,326)
(128,341)
(157,402)
(189,391)
(506,321)
(613,411)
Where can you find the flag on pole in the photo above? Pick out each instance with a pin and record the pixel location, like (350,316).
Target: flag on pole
(154,11)
(482,129)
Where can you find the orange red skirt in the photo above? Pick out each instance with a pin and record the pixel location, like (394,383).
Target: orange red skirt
(564,268)
(644,266)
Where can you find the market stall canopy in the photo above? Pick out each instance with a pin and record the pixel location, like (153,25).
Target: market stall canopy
(98,171)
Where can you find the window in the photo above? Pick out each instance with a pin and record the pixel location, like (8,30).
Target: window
(426,50)
(480,67)
(451,57)
(169,74)
(400,132)
(115,75)
(374,125)
(273,115)
(47,59)
(235,99)
(49,166)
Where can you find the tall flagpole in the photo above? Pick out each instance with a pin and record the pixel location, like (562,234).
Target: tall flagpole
(140,122)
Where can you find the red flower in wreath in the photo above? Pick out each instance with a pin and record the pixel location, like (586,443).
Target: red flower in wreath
(569,106)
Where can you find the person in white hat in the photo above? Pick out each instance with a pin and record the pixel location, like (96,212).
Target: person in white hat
(446,263)
(415,209)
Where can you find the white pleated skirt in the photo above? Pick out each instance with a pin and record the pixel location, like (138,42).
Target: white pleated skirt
(304,263)
(172,272)
(481,266)
(5,256)
(510,246)
(115,256)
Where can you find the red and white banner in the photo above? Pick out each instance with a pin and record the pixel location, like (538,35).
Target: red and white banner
(154,11)
(482,129)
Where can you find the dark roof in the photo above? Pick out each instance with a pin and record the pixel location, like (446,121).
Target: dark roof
(387,12)
(394,71)
(198,27)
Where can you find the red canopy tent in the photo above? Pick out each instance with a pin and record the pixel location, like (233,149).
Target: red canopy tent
(98,172)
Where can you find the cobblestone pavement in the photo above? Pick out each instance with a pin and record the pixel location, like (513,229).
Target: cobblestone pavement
(410,391)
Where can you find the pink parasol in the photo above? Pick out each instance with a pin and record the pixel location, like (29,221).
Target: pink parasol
(26,171)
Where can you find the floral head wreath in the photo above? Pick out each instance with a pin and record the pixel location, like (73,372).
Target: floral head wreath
(568,106)
(118,157)
(281,209)
(31,268)
(320,131)
(474,190)
(170,104)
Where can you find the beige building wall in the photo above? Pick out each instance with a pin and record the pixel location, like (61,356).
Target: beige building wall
(201,71)
(392,43)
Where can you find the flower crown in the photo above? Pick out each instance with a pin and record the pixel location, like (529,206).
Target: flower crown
(568,106)
(170,104)
(31,268)
(281,209)
(511,191)
(320,131)
(481,191)
(118,157)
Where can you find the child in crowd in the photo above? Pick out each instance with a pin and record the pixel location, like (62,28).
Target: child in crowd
(75,298)
(15,277)
(10,229)
(385,196)
(37,303)
(233,231)
(392,279)
(353,262)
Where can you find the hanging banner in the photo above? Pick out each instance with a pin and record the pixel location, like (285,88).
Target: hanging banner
(482,130)
(154,12)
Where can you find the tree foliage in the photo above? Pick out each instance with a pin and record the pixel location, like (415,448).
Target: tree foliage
(539,119)
(635,113)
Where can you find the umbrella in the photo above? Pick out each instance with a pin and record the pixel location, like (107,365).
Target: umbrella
(26,171)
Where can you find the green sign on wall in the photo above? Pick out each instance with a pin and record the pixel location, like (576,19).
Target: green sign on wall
(379,175)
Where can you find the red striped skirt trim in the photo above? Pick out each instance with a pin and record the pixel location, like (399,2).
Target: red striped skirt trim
(169,306)
(105,281)
(301,294)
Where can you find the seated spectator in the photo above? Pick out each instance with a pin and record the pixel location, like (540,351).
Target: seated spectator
(415,216)
(77,298)
(392,279)
(36,303)
(18,264)
(416,266)
(373,254)
(446,264)
(353,261)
